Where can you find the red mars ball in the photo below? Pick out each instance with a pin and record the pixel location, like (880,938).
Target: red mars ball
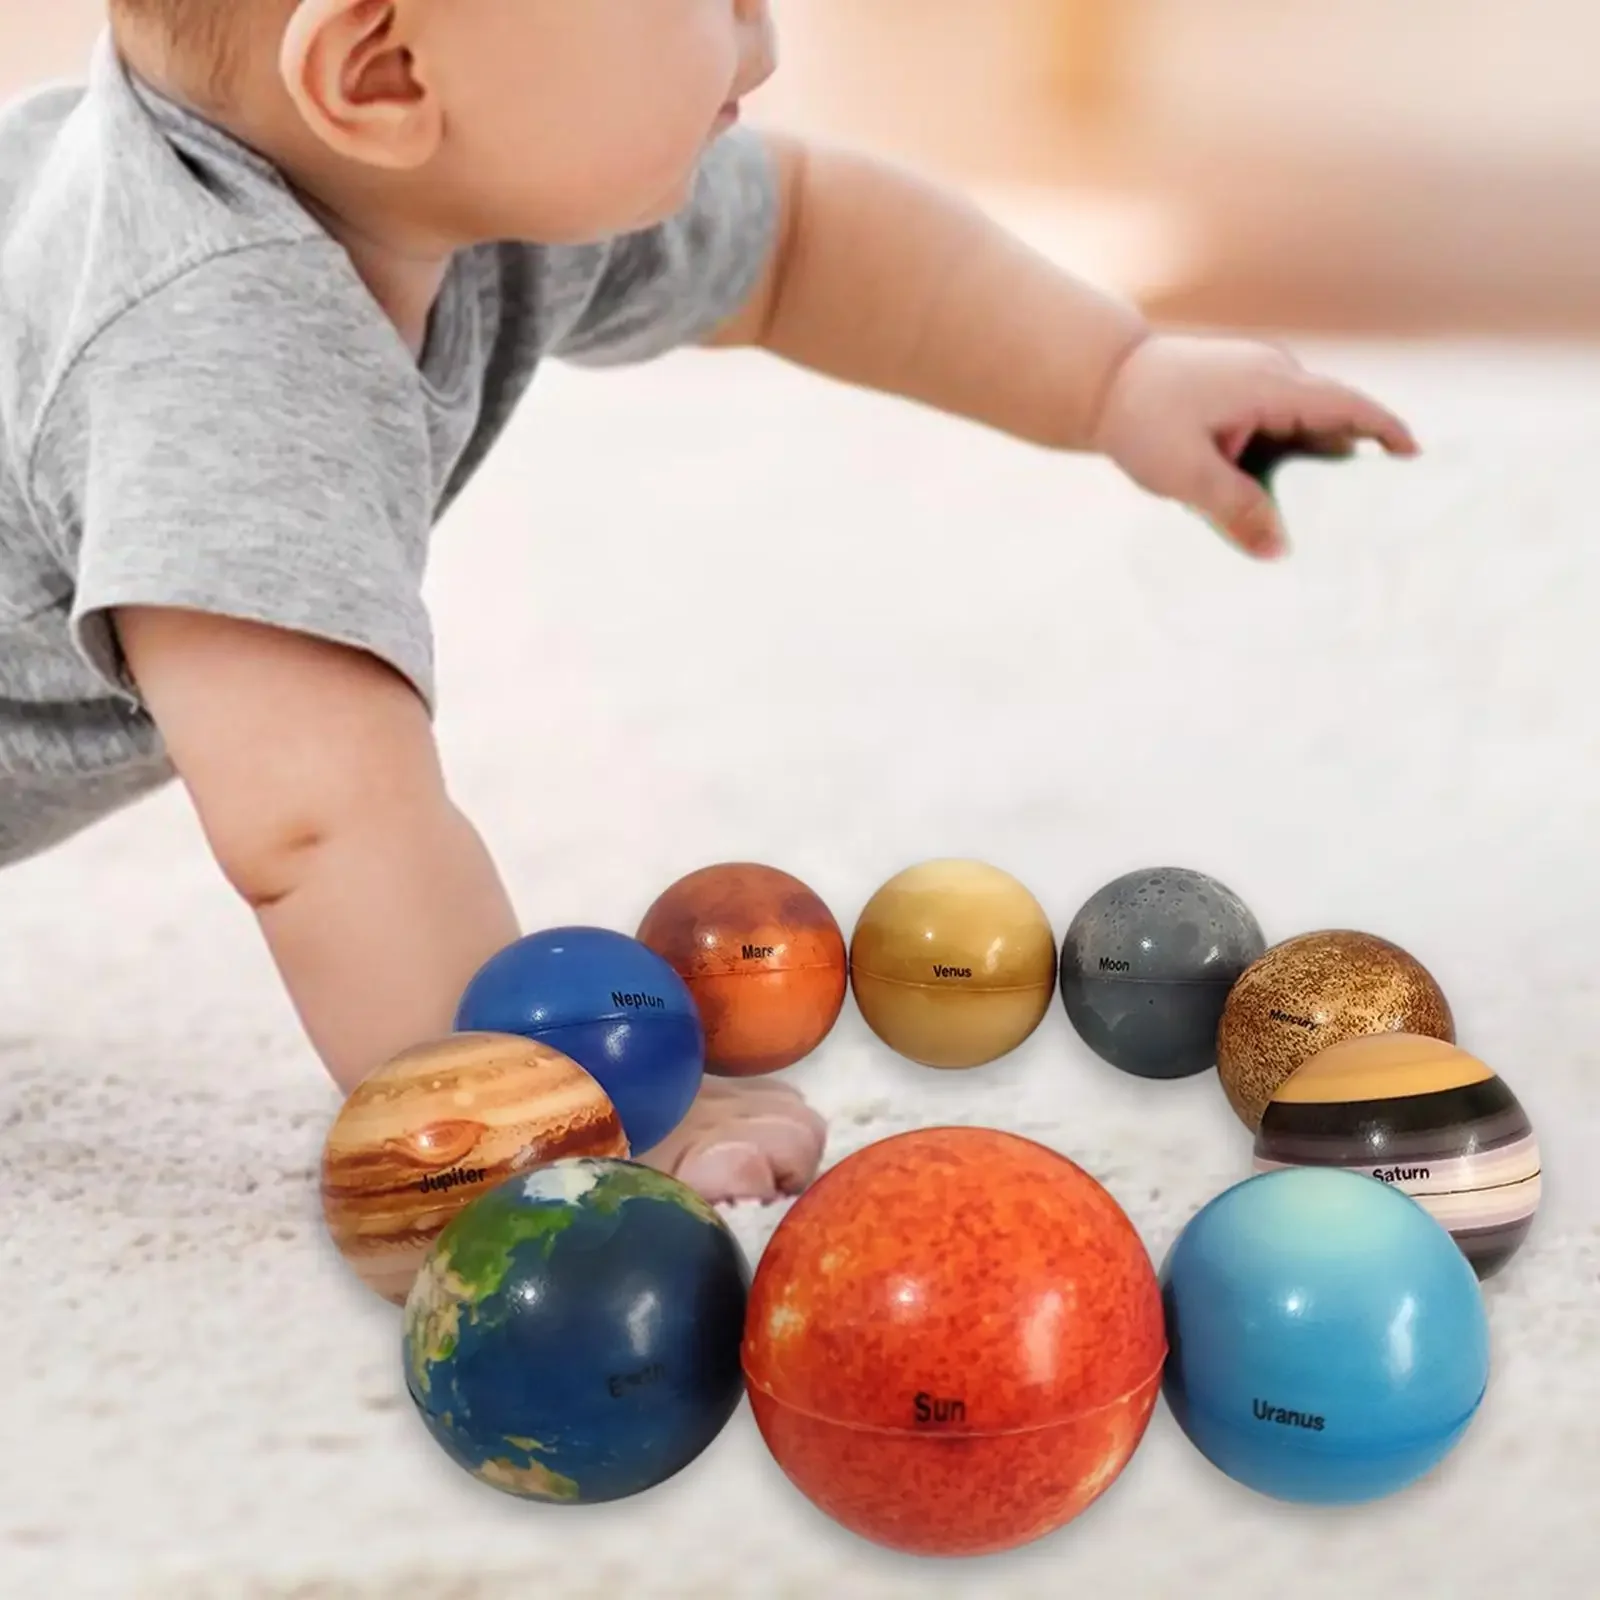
(954,1342)
(763,957)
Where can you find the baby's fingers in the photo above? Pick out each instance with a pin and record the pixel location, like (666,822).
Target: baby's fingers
(1319,406)
(1235,504)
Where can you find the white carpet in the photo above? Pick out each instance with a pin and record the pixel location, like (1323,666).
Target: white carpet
(716,610)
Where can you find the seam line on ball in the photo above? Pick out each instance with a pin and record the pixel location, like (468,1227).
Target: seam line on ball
(1163,983)
(589,1022)
(1354,1448)
(958,985)
(952,1433)
(757,972)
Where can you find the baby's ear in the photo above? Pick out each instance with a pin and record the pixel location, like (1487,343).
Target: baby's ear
(354,80)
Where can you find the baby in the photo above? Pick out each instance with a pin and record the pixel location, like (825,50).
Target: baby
(271,285)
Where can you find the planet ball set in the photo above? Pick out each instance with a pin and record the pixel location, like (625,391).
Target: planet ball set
(955,1340)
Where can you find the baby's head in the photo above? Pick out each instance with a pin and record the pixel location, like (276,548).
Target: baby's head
(551,120)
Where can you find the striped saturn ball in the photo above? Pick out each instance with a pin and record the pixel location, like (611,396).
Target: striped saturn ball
(1425,1117)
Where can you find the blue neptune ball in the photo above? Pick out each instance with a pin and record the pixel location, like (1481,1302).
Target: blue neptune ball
(1328,1341)
(573,1336)
(609,1003)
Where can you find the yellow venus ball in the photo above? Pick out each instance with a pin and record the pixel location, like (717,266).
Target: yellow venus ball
(953,963)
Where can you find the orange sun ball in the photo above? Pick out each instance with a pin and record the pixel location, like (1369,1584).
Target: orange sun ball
(954,1342)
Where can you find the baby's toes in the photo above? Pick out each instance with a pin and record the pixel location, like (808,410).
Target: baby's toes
(729,1170)
(792,1143)
(755,1158)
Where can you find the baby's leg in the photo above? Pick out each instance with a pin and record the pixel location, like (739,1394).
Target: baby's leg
(744,1139)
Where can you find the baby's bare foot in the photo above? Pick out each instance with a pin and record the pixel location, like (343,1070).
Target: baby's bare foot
(744,1139)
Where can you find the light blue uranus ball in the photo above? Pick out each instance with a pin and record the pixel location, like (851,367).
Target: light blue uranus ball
(1328,1340)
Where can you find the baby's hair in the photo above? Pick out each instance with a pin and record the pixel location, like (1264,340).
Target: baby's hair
(203,24)
(203,34)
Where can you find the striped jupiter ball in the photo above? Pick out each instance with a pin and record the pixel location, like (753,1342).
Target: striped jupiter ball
(1313,991)
(1425,1117)
(428,1132)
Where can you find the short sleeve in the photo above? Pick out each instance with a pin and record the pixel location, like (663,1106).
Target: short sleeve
(671,285)
(249,442)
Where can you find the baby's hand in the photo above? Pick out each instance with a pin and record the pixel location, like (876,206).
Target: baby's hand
(1181,412)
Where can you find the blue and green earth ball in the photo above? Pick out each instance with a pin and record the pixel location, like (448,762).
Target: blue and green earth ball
(574,1334)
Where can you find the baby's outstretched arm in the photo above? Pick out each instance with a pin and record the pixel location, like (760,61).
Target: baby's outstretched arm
(316,779)
(885,281)
(889,282)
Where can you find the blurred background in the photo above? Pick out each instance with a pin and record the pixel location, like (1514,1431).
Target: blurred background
(1423,168)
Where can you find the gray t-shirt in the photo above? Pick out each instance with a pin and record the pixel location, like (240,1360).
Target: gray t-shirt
(201,405)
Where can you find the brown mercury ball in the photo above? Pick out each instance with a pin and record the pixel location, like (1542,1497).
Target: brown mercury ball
(762,956)
(1314,991)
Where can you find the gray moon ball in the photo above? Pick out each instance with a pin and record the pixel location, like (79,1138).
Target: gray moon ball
(1147,965)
